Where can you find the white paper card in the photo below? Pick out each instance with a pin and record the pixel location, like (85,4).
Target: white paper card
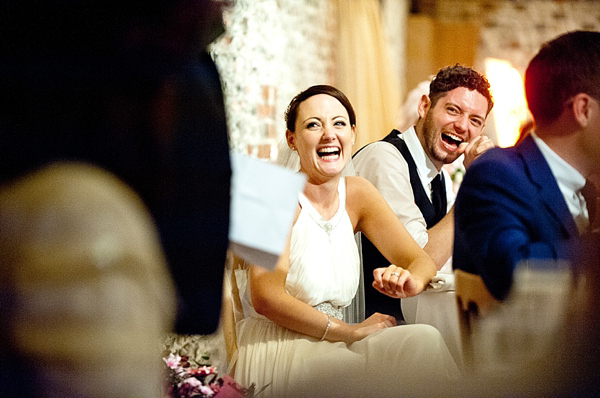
(264,199)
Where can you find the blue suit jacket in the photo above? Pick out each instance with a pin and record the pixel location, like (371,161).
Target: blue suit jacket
(508,209)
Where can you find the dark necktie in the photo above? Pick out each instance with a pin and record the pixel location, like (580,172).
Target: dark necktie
(436,195)
(590,195)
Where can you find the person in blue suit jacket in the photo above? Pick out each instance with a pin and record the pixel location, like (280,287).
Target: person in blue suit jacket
(525,202)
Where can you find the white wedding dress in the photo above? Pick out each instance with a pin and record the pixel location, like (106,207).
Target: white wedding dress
(324,268)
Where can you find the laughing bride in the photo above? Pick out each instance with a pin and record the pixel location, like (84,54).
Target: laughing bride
(293,338)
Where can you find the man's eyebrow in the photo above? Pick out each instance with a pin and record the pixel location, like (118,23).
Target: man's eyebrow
(453,104)
(480,117)
(461,109)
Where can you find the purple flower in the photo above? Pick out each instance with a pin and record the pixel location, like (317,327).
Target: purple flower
(230,388)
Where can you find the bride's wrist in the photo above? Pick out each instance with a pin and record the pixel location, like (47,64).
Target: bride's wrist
(422,282)
(341,331)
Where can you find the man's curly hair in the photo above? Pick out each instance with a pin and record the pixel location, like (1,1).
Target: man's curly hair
(451,77)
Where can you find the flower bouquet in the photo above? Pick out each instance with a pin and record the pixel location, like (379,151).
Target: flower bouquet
(187,379)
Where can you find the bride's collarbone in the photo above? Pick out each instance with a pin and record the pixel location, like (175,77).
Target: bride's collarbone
(327,210)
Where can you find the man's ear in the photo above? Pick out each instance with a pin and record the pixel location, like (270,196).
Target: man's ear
(581,107)
(424,105)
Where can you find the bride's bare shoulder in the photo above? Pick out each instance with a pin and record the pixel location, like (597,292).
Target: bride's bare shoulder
(359,188)
(358,183)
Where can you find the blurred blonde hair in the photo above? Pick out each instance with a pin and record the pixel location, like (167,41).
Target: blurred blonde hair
(409,111)
(91,295)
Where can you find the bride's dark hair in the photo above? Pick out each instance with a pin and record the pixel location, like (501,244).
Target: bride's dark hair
(291,114)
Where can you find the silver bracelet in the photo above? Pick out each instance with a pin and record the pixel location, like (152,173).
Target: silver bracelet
(326,327)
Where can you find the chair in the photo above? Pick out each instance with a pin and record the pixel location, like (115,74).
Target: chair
(521,343)
(233,310)
(473,301)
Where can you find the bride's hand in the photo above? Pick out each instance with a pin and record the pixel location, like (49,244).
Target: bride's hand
(370,325)
(396,282)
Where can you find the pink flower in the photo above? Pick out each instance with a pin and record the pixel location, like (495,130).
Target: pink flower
(207,391)
(192,381)
(204,370)
(186,380)
(172,361)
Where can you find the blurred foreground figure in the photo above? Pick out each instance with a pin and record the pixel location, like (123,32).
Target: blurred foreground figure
(129,87)
(85,294)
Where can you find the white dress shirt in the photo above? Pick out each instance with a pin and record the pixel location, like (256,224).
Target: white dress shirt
(570,182)
(383,165)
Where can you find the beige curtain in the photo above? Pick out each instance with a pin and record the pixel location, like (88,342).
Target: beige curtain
(363,70)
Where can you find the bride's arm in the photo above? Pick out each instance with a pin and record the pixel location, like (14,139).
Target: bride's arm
(377,221)
(270,299)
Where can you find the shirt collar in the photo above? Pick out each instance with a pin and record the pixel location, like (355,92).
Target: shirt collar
(565,174)
(425,167)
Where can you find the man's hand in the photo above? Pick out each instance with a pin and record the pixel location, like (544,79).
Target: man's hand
(475,148)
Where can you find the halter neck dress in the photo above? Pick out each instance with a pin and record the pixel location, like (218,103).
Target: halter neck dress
(324,273)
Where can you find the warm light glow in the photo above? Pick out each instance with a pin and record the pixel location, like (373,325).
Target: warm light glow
(510,106)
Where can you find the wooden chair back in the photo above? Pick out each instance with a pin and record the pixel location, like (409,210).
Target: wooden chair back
(473,301)
(526,329)
(232,306)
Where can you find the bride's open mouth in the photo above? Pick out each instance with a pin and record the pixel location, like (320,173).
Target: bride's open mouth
(329,153)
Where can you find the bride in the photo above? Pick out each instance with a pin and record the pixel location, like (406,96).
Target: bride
(294,340)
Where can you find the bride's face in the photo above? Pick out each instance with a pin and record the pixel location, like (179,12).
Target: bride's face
(323,136)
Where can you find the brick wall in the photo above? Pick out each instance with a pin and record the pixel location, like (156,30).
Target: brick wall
(271,50)
(514,29)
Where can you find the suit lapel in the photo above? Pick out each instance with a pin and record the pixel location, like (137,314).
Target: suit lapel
(542,177)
